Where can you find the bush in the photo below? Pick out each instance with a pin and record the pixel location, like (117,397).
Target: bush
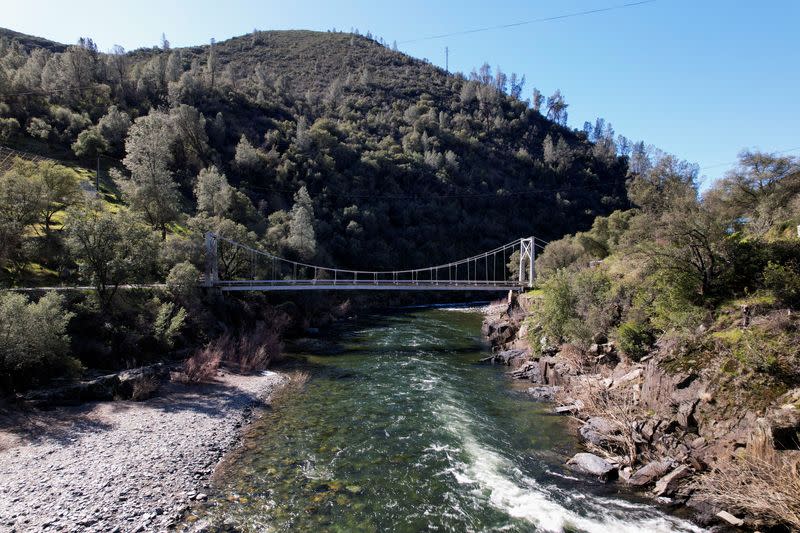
(261,346)
(634,339)
(182,282)
(8,128)
(34,345)
(784,281)
(558,305)
(203,365)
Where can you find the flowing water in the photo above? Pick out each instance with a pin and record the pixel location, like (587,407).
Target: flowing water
(398,429)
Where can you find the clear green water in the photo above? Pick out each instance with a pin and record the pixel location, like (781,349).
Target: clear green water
(399,429)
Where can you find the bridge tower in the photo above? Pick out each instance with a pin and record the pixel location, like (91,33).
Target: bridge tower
(527,257)
(212,265)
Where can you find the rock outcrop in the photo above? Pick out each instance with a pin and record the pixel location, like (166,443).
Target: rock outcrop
(593,465)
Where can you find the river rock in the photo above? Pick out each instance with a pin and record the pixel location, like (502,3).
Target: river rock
(600,432)
(507,357)
(648,474)
(667,485)
(543,393)
(592,465)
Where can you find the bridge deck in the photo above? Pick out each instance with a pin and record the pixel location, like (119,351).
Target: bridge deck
(350,285)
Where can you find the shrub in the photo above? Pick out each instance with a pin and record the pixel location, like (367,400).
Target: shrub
(261,346)
(203,365)
(634,339)
(34,344)
(558,255)
(558,305)
(169,322)
(144,389)
(784,281)
(182,282)
(8,128)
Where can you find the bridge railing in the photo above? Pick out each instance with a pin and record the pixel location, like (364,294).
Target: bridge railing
(234,265)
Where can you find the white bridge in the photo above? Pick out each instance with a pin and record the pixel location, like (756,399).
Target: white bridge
(232,266)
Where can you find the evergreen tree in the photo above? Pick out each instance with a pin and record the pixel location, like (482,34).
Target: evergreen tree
(302,238)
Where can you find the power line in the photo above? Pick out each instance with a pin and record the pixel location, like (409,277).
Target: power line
(532,21)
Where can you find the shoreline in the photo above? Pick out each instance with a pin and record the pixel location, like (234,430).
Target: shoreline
(658,430)
(123,466)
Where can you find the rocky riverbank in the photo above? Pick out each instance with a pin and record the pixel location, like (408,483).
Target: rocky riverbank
(124,465)
(653,424)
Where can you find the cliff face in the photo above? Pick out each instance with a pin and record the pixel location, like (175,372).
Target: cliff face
(678,433)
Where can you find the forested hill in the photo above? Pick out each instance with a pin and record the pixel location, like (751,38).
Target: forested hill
(404,163)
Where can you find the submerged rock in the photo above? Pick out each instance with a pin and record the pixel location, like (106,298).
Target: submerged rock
(593,465)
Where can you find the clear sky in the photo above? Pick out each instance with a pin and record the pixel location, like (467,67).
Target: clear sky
(700,79)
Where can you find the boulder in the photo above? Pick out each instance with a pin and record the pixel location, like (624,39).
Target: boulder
(648,474)
(569,408)
(600,432)
(667,485)
(98,389)
(528,370)
(543,393)
(784,427)
(631,376)
(729,518)
(593,465)
(130,379)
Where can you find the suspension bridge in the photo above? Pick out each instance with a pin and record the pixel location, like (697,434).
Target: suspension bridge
(233,266)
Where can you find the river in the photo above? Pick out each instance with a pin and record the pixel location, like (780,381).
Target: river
(398,429)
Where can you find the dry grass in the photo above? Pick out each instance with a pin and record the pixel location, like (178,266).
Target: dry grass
(252,351)
(203,365)
(145,388)
(260,347)
(760,482)
(620,407)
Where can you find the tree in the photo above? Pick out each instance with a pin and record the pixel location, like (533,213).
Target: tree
(759,191)
(174,67)
(60,190)
(151,189)
(669,182)
(557,108)
(90,144)
(21,202)
(302,238)
(232,261)
(34,343)
(213,193)
(212,61)
(111,249)
(190,129)
(113,127)
(537,100)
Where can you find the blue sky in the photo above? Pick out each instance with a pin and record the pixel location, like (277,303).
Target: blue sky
(700,79)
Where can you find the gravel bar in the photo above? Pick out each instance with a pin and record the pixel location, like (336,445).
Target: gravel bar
(122,466)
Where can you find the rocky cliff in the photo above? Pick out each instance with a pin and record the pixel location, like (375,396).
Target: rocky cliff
(676,433)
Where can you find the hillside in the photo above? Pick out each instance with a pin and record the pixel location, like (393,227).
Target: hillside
(404,163)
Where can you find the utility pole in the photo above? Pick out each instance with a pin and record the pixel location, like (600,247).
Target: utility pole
(447,59)
(97,178)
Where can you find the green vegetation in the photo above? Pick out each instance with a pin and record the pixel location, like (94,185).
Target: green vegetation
(710,277)
(34,344)
(333,148)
